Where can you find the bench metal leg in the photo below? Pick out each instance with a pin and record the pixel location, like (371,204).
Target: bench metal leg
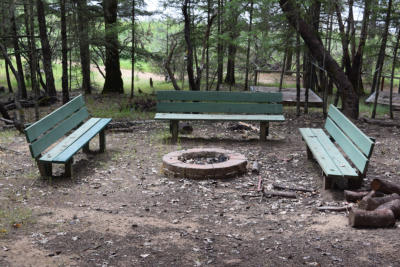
(68,168)
(264,129)
(102,140)
(45,168)
(174,130)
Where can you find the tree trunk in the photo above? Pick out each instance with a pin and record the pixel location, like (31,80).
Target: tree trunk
(208,48)
(381,57)
(84,45)
(22,93)
(314,43)
(10,89)
(220,47)
(32,55)
(133,50)
(230,68)
(46,51)
(113,82)
(189,60)
(297,74)
(64,52)
(246,79)
(168,68)
(396,47)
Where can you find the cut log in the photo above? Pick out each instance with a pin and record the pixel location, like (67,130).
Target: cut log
(280,194)
(371,203)
(290,188)
(393,205)
(333,208)
(385,186)
(256,167)
(352,196)
(371,219)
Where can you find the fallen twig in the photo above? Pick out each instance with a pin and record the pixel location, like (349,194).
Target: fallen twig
(283,187)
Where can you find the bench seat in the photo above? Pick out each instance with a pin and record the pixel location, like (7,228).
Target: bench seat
(344,167)
(332,162)
(64,150)
(218,117)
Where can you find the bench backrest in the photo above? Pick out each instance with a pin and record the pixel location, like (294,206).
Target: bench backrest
(357,146)
(219,102)
(49,129)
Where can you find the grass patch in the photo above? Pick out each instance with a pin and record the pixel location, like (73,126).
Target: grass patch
(7,136)
(14,217)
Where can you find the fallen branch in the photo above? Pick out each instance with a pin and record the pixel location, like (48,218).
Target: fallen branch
(283,187)
(383,123)
(371,218)
(333,208)
(279,194)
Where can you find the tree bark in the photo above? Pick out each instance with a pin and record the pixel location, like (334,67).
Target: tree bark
(371,219)
(64,52)
(10,89)
(189,46)
(396,47)
(32,55)
(22,93)
(393,205)
(46,51)
(385,186)
(220,46)
(168,67)
(133,50)
(314,43)
(371,203)
(381,59)
(113,82)
(84,45)
(246,79)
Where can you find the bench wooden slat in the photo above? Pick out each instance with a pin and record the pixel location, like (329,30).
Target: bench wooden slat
(327,155)
(81,141)
(57,132)
(218,117)
(356,135)
(220,108)
(256,97)
(60,147)
(354,154)
(35,130)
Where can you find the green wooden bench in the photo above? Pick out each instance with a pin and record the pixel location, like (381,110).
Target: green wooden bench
(47,131)
(356,146)
(219,106)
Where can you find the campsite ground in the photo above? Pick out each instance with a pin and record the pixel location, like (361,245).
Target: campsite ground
(120,210)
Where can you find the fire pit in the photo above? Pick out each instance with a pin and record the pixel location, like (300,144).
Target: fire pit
(204,163)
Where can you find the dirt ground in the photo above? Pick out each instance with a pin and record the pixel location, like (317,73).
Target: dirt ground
(120,210)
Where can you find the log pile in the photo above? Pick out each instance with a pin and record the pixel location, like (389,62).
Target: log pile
(377,208)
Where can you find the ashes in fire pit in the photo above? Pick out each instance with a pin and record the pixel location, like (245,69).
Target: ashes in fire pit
(209,158)
(204,163)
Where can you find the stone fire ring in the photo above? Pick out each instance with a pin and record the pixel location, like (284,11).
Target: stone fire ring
(234,165)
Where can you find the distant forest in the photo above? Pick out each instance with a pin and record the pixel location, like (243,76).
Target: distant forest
(332,47)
